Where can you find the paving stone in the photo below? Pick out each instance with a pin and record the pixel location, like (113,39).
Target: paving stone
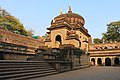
(91,73)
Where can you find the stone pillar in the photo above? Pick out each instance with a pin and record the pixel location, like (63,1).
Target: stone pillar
(72,56)
(112,61)
(103,61)
(96,61)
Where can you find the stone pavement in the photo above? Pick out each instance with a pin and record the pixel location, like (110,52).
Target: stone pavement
(91,73)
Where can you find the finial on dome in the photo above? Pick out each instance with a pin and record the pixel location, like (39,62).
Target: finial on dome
(70,10)
(60,11)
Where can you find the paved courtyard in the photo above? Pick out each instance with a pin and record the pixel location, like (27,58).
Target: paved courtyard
(92,73)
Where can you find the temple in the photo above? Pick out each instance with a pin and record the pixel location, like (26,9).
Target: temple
(67,46)
(68,28)
(105,54)
(67,40)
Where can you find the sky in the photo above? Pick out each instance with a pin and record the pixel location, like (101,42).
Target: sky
(37,14)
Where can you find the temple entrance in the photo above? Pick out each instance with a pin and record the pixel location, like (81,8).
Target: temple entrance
(58,41)
(99,61)
(58,38)
(92,61)
(107,62)
(116,61)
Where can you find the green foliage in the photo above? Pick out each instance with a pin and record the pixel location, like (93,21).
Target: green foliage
(112,34)
(12,24)
(30,32)
(97,40)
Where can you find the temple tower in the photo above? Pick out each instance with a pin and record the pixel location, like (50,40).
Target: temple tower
(68,28)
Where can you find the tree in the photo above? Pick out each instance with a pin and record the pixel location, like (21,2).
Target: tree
(30,32)
(97,40)
(113,32)
(12,24)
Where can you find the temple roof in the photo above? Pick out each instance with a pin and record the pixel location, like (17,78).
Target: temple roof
(72,19)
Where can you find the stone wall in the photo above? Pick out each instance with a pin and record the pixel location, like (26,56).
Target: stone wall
(105,54)
(9,37)
(10,51)
(105,46)
(9,56)
(16,46)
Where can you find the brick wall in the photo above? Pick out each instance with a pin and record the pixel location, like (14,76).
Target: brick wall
(9,37)
(104,46)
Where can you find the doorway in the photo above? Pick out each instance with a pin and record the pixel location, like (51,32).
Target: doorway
(99,61)
(116,61)
(107,62)
(92,61)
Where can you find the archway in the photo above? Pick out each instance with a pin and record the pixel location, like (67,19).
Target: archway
(116,61)
(58,38)
(107,62)
(92,61)
(99,61)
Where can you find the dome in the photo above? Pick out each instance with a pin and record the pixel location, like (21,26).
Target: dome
(72,19)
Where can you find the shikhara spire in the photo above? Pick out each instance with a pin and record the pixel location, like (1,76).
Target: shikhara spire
(60,11)
(70,10)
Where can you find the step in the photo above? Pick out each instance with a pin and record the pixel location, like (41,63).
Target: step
(23,63)
(20,70)
(24,71)
(20,61)
(33,76)
(24,74)
(17,66)
(24,68)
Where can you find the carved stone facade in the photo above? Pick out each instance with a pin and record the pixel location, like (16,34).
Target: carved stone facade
(17,47)
(105,54)
(68,29)
(10,37)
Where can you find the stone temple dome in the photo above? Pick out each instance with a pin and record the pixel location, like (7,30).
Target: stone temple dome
(73,19)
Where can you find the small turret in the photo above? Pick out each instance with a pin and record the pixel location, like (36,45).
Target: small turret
(70,10)
(60,11)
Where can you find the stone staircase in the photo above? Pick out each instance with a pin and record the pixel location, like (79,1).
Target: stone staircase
(21,70)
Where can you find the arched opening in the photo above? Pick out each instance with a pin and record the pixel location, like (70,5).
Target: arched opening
(58,38)
(79,44)
(97,48)
(105,48)
(110,47)
(116,61)
(107,62)
(116,47)
(99,61)
(58,41)
(92,61)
